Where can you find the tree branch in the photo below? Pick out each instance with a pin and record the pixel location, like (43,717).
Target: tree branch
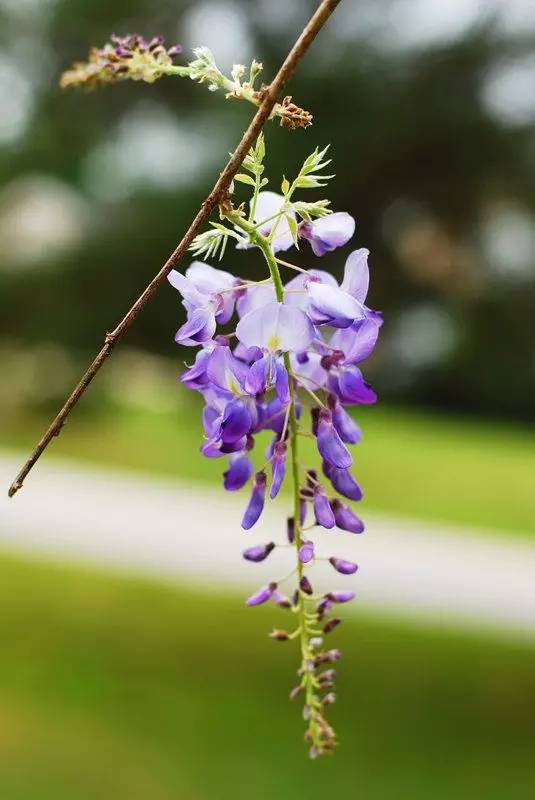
(271,95)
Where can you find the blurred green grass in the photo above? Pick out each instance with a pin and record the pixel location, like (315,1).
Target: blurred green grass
(116,687)
(416,464)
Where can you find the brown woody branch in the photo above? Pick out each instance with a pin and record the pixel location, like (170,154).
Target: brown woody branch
(221,187)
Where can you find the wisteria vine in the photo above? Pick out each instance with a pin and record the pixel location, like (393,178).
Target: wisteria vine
(293,343)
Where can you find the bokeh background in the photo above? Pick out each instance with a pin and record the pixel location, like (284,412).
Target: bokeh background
(430,108)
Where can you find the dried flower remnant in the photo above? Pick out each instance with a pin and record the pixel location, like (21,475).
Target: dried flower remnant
(132,57)
(293,344)
(127,57)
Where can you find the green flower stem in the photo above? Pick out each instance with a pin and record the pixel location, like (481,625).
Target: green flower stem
(305,619)
(242,91)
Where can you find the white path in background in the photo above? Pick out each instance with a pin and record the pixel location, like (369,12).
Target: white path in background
(149,525)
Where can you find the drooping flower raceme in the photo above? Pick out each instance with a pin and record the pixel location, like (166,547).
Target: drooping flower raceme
(293,345)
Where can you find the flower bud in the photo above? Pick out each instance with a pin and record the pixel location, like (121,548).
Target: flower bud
(296,691)
(344,517)
(330,445)
(327,675)
(340,597)
(329,656)
(306,552)
(279,636)
(278,463)
(262,595)
(322,508)
(281,600)
(331,624)
(256,503)
(290,529)
(259,552)
(315,415)
(305,585)
(342,566)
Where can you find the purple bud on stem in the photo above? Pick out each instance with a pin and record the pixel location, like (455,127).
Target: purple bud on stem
(342,566)
(331,624)
(290,529)
(330,445)
(322,508)
(340,597)
(256,503)
(344,517)
(259,552)
(306,552)
(278,467)
(262,595)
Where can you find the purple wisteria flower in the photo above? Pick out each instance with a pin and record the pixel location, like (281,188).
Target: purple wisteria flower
(284,347)
(329,232)
(207,297)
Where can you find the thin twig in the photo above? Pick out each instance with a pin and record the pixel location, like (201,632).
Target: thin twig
(271,94)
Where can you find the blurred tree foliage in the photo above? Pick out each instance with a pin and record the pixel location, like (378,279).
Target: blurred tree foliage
(421,162)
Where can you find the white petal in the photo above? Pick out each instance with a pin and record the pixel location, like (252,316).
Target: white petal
(356,274)
(186,288)
(207,279)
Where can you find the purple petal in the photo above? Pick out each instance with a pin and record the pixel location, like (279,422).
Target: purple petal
(273,416)
(330,445)
(353,388)
(310,370)
(262,596)
(238,473)
(345,425)
(218,449)
(358,341)
(198,328)
(332,306)
(226,371)
(282,386)
(356,274)
(322,509)
(196,377)
(259,552)
(329,232)
(340,597)
(211,418)
(306,552)
(235,422)
(276,328)
(247,354)
(279,468)
(256,503)
(344,567)
(345,519)
(260,375)
(343,481)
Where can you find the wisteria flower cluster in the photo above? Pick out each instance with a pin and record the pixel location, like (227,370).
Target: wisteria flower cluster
(294,345)
(132,57)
